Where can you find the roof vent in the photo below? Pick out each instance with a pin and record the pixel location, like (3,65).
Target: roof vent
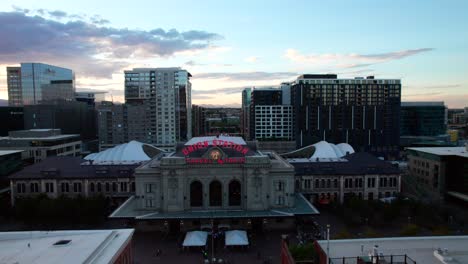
(62,243)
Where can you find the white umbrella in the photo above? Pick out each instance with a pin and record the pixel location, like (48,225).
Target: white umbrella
(236,238)
(195,239)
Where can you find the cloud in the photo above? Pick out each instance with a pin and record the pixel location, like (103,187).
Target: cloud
(89,49)
(252,59)
(351,60)
(246,76)
(57,14)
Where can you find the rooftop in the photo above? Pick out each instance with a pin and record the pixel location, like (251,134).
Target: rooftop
(444,151)
(420,249)
(360,163)
(72,167)
(85,246)
(8,152)
(130,209)
(132,152)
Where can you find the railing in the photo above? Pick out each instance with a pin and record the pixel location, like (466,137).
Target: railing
(384,259)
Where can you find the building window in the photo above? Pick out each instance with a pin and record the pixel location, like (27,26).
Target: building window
(280,186)
(91,187)
(149,203)
(317,183)
(65,187)
(77,187)
(280,200)
(49,186)
(123,187)
(99,187)
(196,194)
(132,187)
(34,187)
(335,183)
(107,187)
(370,183)
(114,187)
(149,188)
(20,188)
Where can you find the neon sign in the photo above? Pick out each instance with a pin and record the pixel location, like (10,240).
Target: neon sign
(215,156)
(216,143)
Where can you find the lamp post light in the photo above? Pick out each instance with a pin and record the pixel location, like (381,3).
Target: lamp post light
(328,244)
(213,260)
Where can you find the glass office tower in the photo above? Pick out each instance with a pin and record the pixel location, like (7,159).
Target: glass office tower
(38,79)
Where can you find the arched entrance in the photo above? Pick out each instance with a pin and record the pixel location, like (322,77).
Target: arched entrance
(196,194)
(216,194)
(235,193)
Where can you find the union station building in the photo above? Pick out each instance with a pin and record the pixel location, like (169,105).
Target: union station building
(215,180)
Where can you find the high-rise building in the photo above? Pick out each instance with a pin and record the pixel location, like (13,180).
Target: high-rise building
(198,121)
(33,83)
(364,113)
(423,119)
(91,98)
(167,91)
(270,119)
(111,130)
(245,113)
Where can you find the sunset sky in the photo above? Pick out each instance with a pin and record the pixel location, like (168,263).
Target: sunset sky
(229,45)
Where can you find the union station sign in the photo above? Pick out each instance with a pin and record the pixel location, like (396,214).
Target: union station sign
(215,156)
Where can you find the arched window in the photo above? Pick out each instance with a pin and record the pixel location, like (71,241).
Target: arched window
(216,193)
(91,187)
(235,196)
(99,187)
(196,194)
(107,187)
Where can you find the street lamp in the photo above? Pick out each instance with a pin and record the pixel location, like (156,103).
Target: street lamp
(213,260)
(328,244)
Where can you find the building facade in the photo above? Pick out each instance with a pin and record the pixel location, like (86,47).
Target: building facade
(423,119)
(107,173)
(245,113)
(15,117)
(57,114)
(362,112)
(167,91)
(120,123)
(270,119)
(441,171)
(221,178)
(33,83)
(326,172)
(72,177)
(38,144)
(198,120)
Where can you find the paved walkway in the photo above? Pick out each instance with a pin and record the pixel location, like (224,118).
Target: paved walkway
(263,247)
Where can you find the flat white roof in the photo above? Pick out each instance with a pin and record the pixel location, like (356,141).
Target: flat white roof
(420,249)
(86,246)
(8,152)
(42,138)
(444,151)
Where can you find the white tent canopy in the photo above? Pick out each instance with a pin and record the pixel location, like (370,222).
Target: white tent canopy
(195,239)
(236,238)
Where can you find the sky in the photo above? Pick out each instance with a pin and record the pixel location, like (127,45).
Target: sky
(230,45)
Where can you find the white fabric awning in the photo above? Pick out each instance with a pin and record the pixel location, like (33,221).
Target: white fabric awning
(195,239)
(236,238)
